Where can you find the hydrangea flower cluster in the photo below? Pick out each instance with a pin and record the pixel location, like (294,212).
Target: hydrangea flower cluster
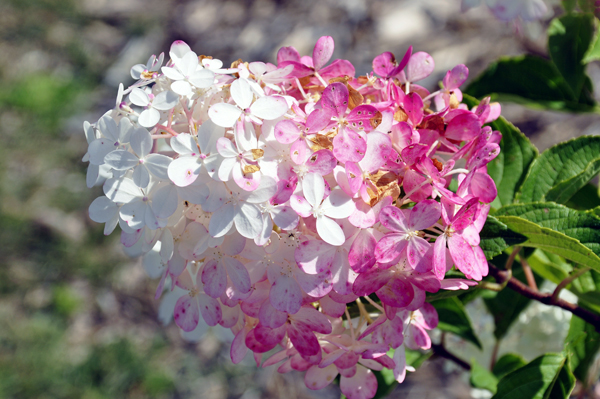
(308,210)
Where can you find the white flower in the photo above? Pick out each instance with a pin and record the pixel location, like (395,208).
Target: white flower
(150,116)
(111,139)
(145,72)
(187,73)
(338,205)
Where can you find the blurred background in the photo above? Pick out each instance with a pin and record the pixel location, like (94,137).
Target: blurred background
(77,317)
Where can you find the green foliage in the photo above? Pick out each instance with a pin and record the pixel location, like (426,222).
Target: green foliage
(561,171)
(496,237)
(482,377)
(507,364)
(559,83)
(584,349)
(545,377)
(569,38)
(454,319)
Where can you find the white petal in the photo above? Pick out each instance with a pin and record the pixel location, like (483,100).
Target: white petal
(248,220)
(102,210)
(208,134)
(224,115)
(141,142)
(136,71)
(125,130)
(269,108)
(178,49)
(91,176)
(184,170)
(226,148)
(139,97)
(221,221)
(266,189)
(285,217)
(141,176)
(165,201)
(149,117)
(134,214)
(330,231)
(172,73)
(184,144)
(338,205)
(313,187)
(245,136)
(121,160)
(181,87)
(241,93)
(90,133)
(108,127)
(226,168)
(99,148)
(165,101)
(158,165)
(187,64)
(121,190)
(202,79)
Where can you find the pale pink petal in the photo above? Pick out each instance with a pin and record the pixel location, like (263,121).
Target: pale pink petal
(342,275)
(417,338)
(238,347)
(392,332)
(300,152)
(186,313)
(322,52)
(322,162)
(248,220)
(238,274)
(335,98)
(245,181)
(286,132)
(416,249)
(430,316)
(210,309)
(315,285)
(318,378)
(301,206)
(439,256)
(363,385)
(355,176)
(400,361)
(184,171)
(285,217)
(394,219)
(463,255)
(313,319)
(331,307)
(456,77)
(419,66)
(285,295)
(314,256)
(214,278)
(425,214)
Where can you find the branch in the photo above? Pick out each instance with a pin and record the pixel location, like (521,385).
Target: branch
(502,276)
(441,351)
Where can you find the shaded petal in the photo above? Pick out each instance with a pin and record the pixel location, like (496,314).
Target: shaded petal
(241,93)
(397,293)
(318,378)
(248,220)
(390,248)
(214,278)
(186,313)
(285,295)
(210,309)
(363,385)
(314,256)
(238,274)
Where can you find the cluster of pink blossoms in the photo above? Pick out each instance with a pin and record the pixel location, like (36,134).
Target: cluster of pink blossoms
(276,198)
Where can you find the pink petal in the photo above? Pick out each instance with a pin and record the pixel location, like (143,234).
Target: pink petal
(316,285)
(285,295)
(394,219)
(439,256)
(347,360)
(214,278)
(338,68)
(417,248)
(413,106)
(462,254)
(262,339)
(301,206)
(246,181)
(287,54)
(414,183)
(335,98)
(186,313)
(430,316)
(331,307)
(303,338)
(417,338)
(455,77)
(321,162)
(318,378)
(299,151)
(210,309)
(314,256)
(238,274)
(271,317)
(363,385)
(483,186)
(362,117)
(238,347)
(419,67)
(361,256)
(330,358)
(425,214)
(317,120)
(313,319)
(396,292)
(355,176)
(364,216)
(369,282)
(322,52)
(390,247)
(286,132)
(392,332)
(349,146)
(463,127)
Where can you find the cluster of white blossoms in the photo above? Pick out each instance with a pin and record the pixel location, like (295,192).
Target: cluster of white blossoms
(279,199)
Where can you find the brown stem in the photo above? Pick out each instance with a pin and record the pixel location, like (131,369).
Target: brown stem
(511,258)
(441,351)
(502,276)
(494,354)
(576,274)
(529,275)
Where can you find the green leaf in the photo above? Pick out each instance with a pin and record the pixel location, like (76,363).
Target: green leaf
(509,169)
(562,170)
(564,385)
(416,358)
(528,80)
(495,237)
(507,364)
(583,351)
(482,377)
(536,380)
(569,5)
(579,225)
(593,52)
(506,305)
(585,199)
(454,318)
(569,38)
